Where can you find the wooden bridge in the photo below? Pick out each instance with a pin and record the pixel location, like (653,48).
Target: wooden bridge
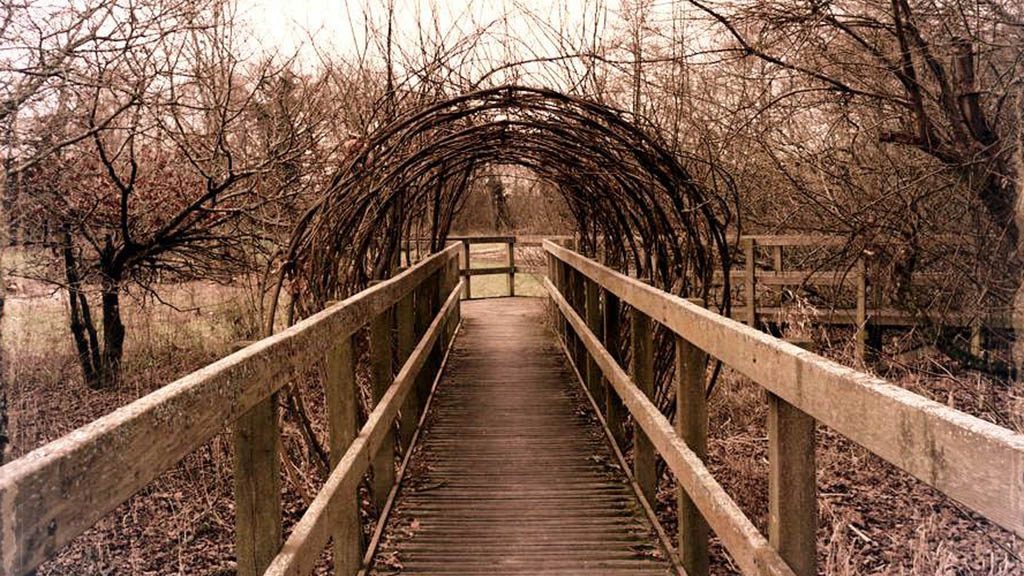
(510,416)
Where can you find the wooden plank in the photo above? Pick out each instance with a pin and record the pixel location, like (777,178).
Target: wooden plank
(301,551)
(861,325)
(405,319)
(467,269)
(592,309)
(257,481)
(55,492)
(745,544)
(642,373)
(512,267)
(483,239)
(792,491)
(615,413)
(340,399)
(795,240)
(750,280)
(495,503)
(946,448)
(507,270)
(381,378)
(692,427)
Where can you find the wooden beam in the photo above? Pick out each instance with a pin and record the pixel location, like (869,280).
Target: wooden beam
(467,269)
(512,267)
(792,490)
(642,373)
(747,546)
(945,448)
(381,378)
(340,399)
(257,479)
(405,319)
(301,551)
(750,280)
(592,309)
(615,413)
(57,491)
(692,427)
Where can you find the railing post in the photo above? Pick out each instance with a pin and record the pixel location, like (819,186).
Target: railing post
(592,303)
(512,266)
(615,411)
(423,318)
(642,372)
(340,400)
(382,377)
(860,337)
(750,280)
(692,428)
(466,258)
(257,488)
(792,490)
(453,275)
(406,341)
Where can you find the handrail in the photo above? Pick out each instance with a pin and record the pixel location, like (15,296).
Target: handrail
(59,490)
(973,461)
(300,553)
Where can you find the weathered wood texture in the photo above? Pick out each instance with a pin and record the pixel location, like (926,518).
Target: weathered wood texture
(976,462)
(509,270)
(748,547)
(510,476)
(310,534)
(341,403)
(54,493)
(257,480)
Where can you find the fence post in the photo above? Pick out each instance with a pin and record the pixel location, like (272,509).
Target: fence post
(512,266)
(692,428)
(792,489)
(257,480)
(750,280)
(423,318)
(860,337)
(592,303)
(406,341)
(642,372)
(615,412)
(382,377)
(340,400)
(465,255)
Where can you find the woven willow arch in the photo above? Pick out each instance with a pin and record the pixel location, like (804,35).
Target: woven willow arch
(619,180)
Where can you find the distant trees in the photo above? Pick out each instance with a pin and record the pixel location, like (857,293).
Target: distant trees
(194,159)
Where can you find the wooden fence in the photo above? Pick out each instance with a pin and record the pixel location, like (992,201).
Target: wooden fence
(510,269)
(973,461)
(869,314)
(56,492)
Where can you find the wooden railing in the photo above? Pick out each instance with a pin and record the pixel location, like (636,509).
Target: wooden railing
(979,464)
(58,491)
(869,314)
(467,271)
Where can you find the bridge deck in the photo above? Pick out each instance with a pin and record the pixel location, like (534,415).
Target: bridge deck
(512,474)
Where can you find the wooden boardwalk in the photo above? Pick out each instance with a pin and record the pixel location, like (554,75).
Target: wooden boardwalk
(512,474)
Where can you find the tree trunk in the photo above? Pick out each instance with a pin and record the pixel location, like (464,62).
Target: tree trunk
(113,331)
(81,319)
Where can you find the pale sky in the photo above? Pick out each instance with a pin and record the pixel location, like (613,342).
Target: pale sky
(521,29)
